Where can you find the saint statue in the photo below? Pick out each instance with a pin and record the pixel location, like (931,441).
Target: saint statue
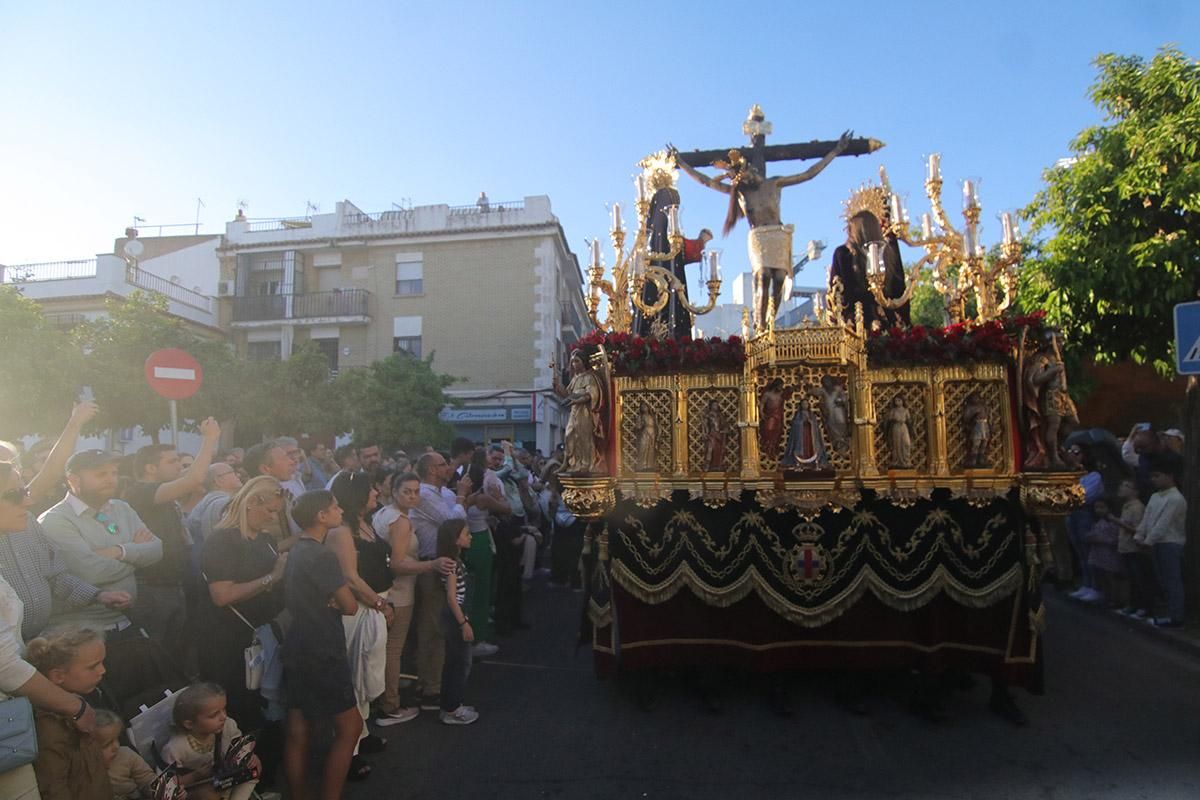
(805,444)
(770,417)
(757,198)
(899,434)
(1047,406)
(836,408)
(715,430)
(850,267)
(645,456)
(674,318)
(979,431)
(583,446)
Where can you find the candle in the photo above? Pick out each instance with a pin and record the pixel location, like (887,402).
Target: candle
(875,257)
(1006,225)
(640,183)
(639,265)
(713,265)
(883,178)
(968,194)
(935,168)
(970,241)
(595,252)
(1016,225)
(616,217)
(897,209)
(672,220)
(926,227)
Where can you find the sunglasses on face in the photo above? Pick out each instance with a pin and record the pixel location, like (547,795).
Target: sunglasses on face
(15,496)
(266,497)
(108,524)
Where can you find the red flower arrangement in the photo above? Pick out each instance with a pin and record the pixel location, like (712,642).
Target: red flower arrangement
(995,340)
(632,355)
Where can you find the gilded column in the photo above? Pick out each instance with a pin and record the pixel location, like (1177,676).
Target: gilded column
(748,423)
(679,437)
(937,428)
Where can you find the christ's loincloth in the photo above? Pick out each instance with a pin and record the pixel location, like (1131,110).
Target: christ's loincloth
(770,247)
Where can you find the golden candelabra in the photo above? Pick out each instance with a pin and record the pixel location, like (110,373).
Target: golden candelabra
(633,268)
(990,281)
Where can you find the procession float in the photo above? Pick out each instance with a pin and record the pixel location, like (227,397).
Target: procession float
(855,492)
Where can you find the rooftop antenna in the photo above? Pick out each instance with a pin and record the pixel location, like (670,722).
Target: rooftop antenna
(311,208)
(199,205)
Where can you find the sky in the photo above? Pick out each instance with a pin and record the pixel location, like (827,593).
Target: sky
(116,110)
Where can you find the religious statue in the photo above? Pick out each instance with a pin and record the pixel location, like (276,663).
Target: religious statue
(674,320)
(584,438)
(979,431)
(1046,404)
(899,434)
(646,450)
(770,417)
(805,444)
(715,431)
(836,408)
(755,196)
(850,267)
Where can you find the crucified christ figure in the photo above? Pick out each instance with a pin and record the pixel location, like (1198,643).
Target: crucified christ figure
(757,198)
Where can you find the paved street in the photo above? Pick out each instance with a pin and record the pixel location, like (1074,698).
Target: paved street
(1121,719)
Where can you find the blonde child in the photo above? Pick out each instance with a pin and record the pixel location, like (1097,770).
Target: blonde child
(1137,564)
(69,764)
(453,538)
(204,733)
(128,773)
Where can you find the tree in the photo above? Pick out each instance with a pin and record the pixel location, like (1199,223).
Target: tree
(1123,225)
(40,369)
(292,396)
(396,401)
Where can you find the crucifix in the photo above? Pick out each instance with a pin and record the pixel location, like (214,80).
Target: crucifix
(755,196)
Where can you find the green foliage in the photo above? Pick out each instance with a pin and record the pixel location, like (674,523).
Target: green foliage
(1123,220)
(396,402)
(927,307)
(292,396)
(40,369)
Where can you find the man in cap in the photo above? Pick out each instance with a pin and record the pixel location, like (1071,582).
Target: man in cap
(102,540)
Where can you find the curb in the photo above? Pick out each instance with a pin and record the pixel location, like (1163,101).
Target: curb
(1185,639)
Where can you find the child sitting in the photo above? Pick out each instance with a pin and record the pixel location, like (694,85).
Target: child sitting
(128,773)
(453,537)
(1103,558)
(204,733)
(69,764)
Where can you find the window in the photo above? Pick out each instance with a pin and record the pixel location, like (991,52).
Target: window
(407,344)
(410,271)
(330,348)
(264,351)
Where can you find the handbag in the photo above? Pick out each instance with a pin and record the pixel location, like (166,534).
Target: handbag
(18,735)
(254,653)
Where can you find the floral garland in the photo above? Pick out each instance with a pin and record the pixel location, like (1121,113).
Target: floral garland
(633,355)
(995,340)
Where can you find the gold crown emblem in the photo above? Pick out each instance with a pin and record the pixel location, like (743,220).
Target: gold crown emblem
(868,197)
(659,170)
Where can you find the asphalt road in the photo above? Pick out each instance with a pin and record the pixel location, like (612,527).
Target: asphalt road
(1120,719)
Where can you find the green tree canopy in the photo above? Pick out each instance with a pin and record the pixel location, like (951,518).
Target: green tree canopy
(40,369)
(396,401)
(1122,219)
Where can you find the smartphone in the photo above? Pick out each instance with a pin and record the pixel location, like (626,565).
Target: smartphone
(86,395)
(1142,426)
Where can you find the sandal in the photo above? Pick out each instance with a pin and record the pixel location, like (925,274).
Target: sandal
(360,770)
(372,744)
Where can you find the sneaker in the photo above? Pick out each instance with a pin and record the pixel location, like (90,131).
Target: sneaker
(431,702)
(463,715)
(386,718)
(484,650)
(1079,593)
(1141,613)
(1167,622)
(1091,596)
(1127,611)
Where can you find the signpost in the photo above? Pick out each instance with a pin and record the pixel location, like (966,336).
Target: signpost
(175,375)
(1187,338)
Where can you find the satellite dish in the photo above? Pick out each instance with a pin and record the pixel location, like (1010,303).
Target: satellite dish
(133,248)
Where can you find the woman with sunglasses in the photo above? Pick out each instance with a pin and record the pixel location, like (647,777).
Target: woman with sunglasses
(243,569)
(18,678)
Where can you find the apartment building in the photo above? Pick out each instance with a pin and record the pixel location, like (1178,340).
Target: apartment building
(492,289)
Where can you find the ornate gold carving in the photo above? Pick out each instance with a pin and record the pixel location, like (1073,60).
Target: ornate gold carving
(698,401)
(916,400)
(1051,493)
(586,497)
(635,405)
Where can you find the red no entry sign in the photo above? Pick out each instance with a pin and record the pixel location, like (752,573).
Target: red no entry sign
(173,374)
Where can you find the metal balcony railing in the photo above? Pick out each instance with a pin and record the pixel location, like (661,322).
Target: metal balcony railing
(475,208)
(48,271)
(343,303)
(174,291)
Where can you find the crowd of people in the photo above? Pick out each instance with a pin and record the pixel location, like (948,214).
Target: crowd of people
(294,595)
(1124,548)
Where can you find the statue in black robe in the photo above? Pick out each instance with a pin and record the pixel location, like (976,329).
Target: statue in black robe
(850,267)
(675,316)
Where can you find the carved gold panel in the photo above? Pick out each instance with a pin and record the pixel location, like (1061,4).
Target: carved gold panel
(802,380)
(917,401)
(634,404)
(726,400)
(993,396)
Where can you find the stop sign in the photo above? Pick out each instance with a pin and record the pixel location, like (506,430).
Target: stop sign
(173,374)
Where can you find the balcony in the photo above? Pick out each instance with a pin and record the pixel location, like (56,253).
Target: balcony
(345,305)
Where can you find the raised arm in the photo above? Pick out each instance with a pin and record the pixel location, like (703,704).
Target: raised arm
(712,183)
(815,169)
(55,467)
(193,479)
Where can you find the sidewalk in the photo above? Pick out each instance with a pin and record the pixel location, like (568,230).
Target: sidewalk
(1186,638)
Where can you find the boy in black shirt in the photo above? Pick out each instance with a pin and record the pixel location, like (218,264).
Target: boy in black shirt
(316,667)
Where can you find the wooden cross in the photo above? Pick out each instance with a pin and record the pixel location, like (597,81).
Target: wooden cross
(759,152)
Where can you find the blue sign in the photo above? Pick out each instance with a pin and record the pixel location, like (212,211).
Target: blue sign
(1187,338)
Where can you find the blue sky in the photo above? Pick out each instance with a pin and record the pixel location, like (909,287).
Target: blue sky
(115,110)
